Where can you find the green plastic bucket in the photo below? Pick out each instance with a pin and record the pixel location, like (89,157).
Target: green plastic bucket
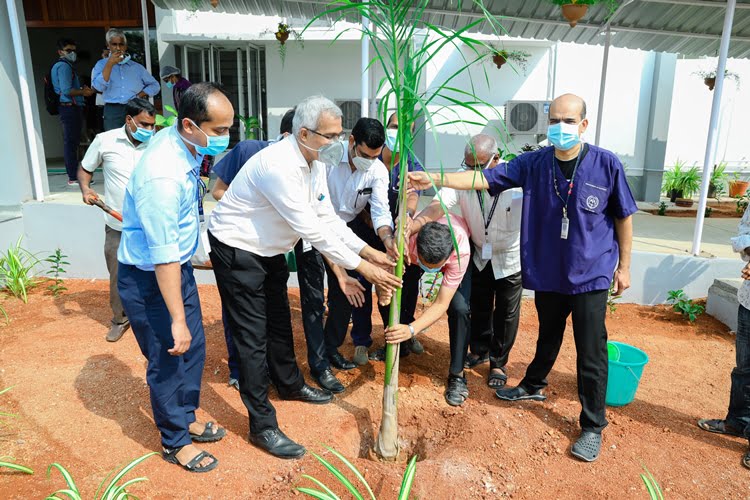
(625,369)
(291,262)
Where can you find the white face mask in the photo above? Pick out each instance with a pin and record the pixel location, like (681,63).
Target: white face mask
(361,164)
(391,139)
(330,154)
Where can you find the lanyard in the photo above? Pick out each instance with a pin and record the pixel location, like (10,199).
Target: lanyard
(570,187)
(200,192)
(480,195)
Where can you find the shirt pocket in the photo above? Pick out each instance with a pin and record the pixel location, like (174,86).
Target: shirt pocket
(592,198)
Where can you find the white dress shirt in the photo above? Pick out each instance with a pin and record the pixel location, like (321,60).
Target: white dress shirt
(349,196)
(118,156)
(739,244)
(503,232)
(275,200)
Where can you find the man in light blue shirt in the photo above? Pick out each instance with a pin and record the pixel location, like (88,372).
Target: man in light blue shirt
(68,87)
(161,214)
(120,79)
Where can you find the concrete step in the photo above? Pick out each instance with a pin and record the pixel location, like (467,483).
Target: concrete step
(722,301)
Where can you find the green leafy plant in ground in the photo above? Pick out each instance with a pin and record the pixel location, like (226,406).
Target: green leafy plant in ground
(325,493)
(654,491)
(611,298)
(742,202)
(6,461)
(17,267)
(404,46)
(57,262)
(684,305)
(662,208)
(112,491)
(719,180)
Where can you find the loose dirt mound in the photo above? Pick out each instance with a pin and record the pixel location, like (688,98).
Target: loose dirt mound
(83,402)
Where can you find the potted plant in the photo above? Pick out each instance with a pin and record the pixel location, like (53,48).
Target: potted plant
(719,177)
(688,183)
(737,187)
(574,10)
(283,30)
(519,57)
(252,124)
(709,77)
(670,186)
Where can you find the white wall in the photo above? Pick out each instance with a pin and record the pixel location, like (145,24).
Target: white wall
(691,110)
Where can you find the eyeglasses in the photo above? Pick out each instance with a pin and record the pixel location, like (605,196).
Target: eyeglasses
(68,51)
(331,137)
(474,167)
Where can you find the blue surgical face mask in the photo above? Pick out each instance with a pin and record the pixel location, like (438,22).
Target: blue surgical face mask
(428,269)
(141,134)
(391,139)
(215,144)
(563,136)
(170,85)
(125,59)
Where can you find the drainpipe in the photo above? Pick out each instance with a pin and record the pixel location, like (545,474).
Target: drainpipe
(28,116)
(713,136)
(365,76)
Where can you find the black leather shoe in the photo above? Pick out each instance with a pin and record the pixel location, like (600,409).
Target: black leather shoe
(309,394)
(277,444)
(327,380)
(340,362)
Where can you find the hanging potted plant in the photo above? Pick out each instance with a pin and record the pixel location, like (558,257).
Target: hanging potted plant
(283,30)
(574,10)
(709,77)
(519,58)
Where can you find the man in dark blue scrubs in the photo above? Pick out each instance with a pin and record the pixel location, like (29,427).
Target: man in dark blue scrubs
(576,237)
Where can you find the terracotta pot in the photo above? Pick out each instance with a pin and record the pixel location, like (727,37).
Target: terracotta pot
(282,36)
(214,3)
(684,202)
(710,83)
(573,12)
(738,188)
(499,60)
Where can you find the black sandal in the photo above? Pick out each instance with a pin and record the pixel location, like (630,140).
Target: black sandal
(718,426)
(746,459)
(456,391)
(208,435)
(497,380)
(170,455)
(473,360)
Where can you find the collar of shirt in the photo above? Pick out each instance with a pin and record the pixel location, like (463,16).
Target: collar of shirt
(122,136)
(192,162)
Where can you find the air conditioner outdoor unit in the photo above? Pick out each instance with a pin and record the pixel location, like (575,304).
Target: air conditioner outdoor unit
(527,117)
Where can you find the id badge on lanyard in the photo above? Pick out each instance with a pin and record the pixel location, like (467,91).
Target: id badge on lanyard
(487,247)
(201,192)
(565,226)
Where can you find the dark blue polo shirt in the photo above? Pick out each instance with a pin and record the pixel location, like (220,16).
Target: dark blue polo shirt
(586,260)
(232,163)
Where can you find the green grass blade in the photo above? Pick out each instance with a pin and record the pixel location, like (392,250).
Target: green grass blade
(65,474)
(72,494)
(322,486)
(125,470)
(354,470)
(120,490)
(408,480)
(16,467)
(315,494)
(340,477)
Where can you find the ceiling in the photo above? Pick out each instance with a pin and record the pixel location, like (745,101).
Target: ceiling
(691,28)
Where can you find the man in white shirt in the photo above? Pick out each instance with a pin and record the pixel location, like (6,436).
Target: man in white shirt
(280,196)
(117,151)
(358,179)
(495,274)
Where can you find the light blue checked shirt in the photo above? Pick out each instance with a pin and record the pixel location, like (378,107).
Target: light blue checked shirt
(160,212)
(125,82)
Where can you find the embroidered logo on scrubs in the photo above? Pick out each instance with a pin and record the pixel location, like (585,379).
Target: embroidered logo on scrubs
(592,202)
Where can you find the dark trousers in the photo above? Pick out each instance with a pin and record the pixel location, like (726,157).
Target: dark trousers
(738,415)
(233,358)
(71,119)
(174,381)
(459,324)
(310,272)
(590,334)
(495,311)
(114,116)
(339,312)
(253,290)
(111,244)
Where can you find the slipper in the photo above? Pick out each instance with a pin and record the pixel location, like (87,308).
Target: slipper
(170,455)
(208,435)
(746,459)
(718,426)
(497,380)
(587,447)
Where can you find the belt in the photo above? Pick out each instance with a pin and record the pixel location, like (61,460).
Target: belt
(67,104)
(114,104)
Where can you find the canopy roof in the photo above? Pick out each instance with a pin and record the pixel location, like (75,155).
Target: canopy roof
(688,27)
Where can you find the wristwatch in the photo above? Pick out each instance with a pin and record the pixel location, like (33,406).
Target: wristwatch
(411,329)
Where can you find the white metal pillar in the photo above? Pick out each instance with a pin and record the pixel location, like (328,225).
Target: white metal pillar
(713,136)
(365,76)
(241,95)
(605,64)
(146,40)
(28,116)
